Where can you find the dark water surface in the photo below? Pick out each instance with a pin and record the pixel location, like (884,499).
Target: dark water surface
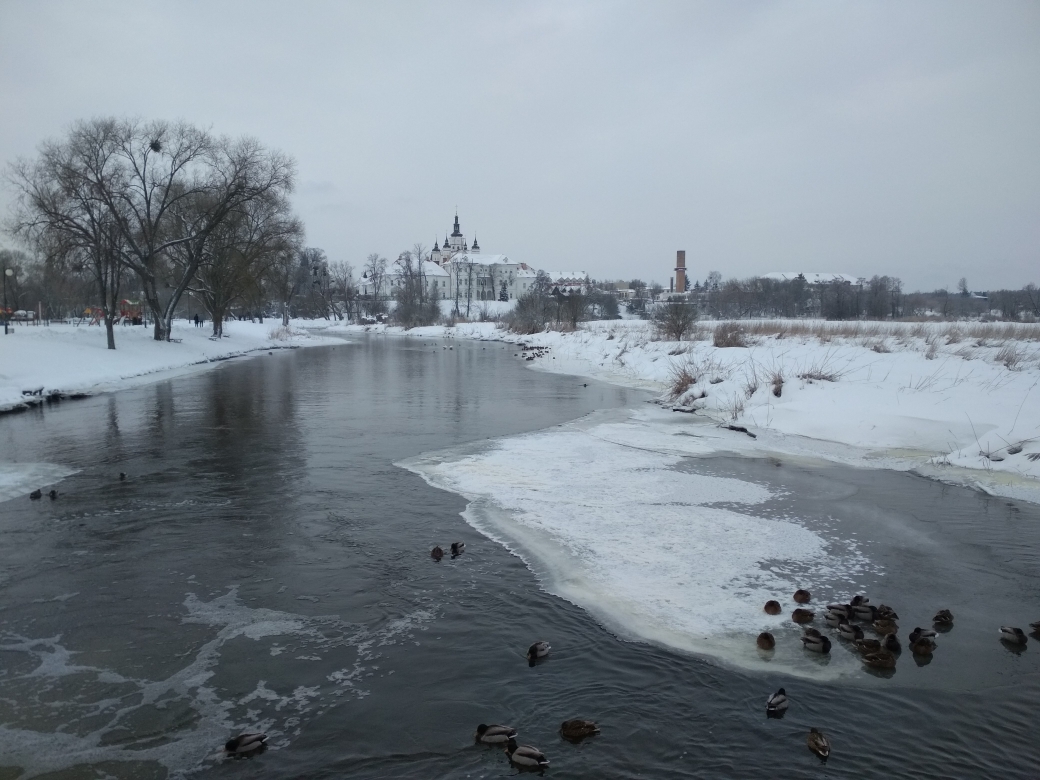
(266,565)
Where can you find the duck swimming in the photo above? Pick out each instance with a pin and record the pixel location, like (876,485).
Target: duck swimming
(494,734)
(36,495)
(457,548)
(865,613)
(886,612)
(858,600)
(923,646)
(576,730)
(818,644)
(802,596)
(818,743)
(525,755)
(844,610)
(538,650)
(766,641)
(437,553)
(833,619)
(943,618)
(1012,635)
(245,744)
(869,645)
(891,644)
(777,703)
(773,607)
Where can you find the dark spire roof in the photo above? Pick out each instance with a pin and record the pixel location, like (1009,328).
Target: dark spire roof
(476,246)
(457,232)
(435,247)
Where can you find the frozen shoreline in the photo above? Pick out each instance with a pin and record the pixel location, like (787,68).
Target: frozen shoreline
(913,398)
(67,360)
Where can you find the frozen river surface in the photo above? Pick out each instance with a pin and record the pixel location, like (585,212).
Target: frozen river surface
(266,565)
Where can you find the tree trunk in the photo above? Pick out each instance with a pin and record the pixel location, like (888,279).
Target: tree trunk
(285,314)
(218,324)
(109,329)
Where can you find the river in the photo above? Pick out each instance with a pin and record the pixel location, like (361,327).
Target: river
(265,564)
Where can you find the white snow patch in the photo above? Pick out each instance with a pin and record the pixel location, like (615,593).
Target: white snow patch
(655,553)
(20,479)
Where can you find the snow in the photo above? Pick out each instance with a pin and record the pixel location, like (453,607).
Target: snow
(69,360)
(928,397)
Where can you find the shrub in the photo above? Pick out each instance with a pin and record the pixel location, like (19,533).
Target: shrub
(675,320)
(684,376)
(729,334)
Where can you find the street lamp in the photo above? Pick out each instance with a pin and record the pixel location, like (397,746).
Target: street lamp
(7,272)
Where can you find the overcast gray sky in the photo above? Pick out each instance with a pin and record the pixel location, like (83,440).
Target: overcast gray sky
(894,138)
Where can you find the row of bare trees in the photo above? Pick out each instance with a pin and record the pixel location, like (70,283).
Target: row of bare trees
(168,206)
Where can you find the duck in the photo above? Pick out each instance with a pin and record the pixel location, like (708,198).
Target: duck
(457,548)
(803,615)
(494,734)
(818,743)
(843,610)
(777,703)
(525,755)
(810,631)
(922,633)
(865,613)
(943,618)
(766,641)
(802,596)
(885,626)
(1035,626)
(773,607)
(122,476)
(859,600)
(245,744)
(891,643)
(884,611)
(1012,635)
(849,632)
(36,495)
(538,650)
(818,644)
(833,619)
(923,646)
(53,494)
(437,553)
(576,730)
(869,645)
(882,659)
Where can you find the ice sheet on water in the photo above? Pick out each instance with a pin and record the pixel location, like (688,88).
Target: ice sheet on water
(97,708)
(604,518)
(20,479)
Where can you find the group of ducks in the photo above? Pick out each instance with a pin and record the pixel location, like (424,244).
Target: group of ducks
(37,494)
(457,548)
(877,653)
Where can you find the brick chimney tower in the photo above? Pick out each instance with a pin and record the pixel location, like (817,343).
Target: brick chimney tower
(680,271)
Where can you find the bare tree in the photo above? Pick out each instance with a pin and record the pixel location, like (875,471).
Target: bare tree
(375,273)
(58,211)
(341,275)
(168,186)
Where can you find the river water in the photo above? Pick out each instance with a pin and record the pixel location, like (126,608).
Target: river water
(266,565)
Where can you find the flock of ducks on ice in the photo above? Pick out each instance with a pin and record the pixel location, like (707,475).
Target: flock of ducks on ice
(522,756)
(879,653)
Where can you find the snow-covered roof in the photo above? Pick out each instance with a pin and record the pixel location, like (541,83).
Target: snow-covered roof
(557,276)
(480,259)
(813,278)
(525,272)
(432,269)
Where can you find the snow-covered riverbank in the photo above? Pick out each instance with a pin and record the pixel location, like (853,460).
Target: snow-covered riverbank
(68,360)
(955,402)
